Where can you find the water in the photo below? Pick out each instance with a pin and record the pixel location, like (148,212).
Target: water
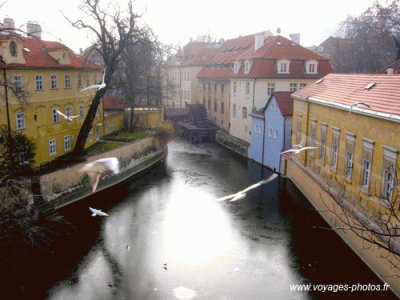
(167,237)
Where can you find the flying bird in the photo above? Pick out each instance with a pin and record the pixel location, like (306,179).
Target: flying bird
(356,104)
(298,150)
(301,145)
(97,212)
(97,86)
(241,194)
(95,168)
(69,118)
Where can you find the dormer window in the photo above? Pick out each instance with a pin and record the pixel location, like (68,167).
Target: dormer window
(283,66)
(247,66)
(311,67)
(13,49)
(236,67)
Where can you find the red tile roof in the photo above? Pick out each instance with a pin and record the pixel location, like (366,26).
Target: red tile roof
(38,57)
(264,59)
(113,103)
(201,57)
(284,101)
(342,90)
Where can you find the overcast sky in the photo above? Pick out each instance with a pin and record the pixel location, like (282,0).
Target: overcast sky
(176,21)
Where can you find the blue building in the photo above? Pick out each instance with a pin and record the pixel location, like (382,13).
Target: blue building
(272,131)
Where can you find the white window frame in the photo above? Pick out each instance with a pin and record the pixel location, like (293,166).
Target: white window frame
(67,81)
(236,67)
(39,82)
(19,120)
(311,67)
(322,142)
(17,81)
(244,112)
(53,82)
(349,156)
(283,66)
(81,111)
(335,148)
(234,110)
(366,163)
(270,88)
(247,66)
(313,135)
(388,172)
(68,111)
(247,88)
(67,142)
(52,147)
(79,81)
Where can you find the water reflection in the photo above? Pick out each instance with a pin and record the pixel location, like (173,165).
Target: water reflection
(167,237)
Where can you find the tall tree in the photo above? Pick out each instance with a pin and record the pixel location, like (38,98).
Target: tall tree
(113,28)
(371,46)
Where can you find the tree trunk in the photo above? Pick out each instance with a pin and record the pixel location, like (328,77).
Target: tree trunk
(79,149)
(131,118)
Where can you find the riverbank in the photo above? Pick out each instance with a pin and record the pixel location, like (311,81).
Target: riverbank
(64,186)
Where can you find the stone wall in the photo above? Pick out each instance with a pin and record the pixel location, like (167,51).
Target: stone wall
(67,185)
(322,199)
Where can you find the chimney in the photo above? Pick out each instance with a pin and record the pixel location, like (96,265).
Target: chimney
(33,29)
(258,40)
(9,23)
(295,37)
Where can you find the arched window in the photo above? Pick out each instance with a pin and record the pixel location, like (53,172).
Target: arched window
(13,48)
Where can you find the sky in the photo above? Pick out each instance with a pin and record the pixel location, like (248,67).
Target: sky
(177,21)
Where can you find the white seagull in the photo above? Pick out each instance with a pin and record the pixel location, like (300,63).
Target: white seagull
(97,86)
(70,118)
(95,168)
(356,104)
(298,150)
(301,145)
(241,194)
(97,212)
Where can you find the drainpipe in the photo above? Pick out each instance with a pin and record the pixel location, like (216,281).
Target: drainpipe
(307,129)
(263,145)
(284,140)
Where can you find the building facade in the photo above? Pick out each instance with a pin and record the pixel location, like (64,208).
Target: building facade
(45,78)
(271,131)
(354,121)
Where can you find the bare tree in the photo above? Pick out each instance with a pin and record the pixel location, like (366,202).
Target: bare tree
(370,45)
(113,31)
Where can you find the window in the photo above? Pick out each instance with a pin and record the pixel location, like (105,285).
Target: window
(81,111)
(388,172)
(17,82)
(67,142)
(53,82)
(283,66)
(20,120)
(322,143)
(222,90)
(13,49)
(270,88)
(247,88)
(246,67)
(52,147)
(87,77)
(234,110)
(234,87)
(79,81)
(335,148)
(311,67)
(90,134)
(236,67)
(293,87)
(302,85)
(97,132)
(39,82)
(67,81)
(222,107)
(215,105)
(68,111)
(366,163)
(313,135)
(244,113)
(56,116)
(349,156)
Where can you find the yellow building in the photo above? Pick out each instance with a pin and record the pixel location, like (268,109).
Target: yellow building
(50,77)
(354,123)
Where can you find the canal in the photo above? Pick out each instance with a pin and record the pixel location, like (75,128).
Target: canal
(166,237)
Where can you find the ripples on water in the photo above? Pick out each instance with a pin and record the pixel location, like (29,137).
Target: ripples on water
(167,237)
